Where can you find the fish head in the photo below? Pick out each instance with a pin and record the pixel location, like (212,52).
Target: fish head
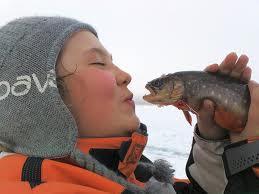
(165,90)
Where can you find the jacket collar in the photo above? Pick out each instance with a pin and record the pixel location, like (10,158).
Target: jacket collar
(120,154)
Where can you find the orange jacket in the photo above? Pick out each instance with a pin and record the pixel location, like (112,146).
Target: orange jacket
(19,172)
(29,175)
(56,177)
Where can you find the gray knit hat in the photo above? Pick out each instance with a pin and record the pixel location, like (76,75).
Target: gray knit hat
(34,120)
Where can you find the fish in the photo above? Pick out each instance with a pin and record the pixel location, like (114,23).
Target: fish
(186,91)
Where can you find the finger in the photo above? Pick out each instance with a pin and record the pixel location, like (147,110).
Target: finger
(239,66)
(254,93)
(206,112)
(254,90)
(251,128)
(252,84)
(252,122)
(246,75)
(212,68)
(207,126)
(228,63)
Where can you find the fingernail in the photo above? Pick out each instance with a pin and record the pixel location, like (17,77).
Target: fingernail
(244,56)
(208,104)
(232,53)
(212,68)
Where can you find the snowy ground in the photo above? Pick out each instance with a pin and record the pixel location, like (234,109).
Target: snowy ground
(170,136)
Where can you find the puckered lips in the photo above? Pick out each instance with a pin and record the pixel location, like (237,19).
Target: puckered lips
(129,99)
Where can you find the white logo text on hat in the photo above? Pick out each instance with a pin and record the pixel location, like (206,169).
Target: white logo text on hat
(26,80)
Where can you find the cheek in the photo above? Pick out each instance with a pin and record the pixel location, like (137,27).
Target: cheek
(103,83)
(98,85)
(94,96)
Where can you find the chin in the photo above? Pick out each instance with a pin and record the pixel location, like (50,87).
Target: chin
(133,124)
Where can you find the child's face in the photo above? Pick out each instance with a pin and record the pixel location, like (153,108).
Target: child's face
(96,91)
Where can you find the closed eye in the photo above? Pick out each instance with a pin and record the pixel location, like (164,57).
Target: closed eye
(97,63)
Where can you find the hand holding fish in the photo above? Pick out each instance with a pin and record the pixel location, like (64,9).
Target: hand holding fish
(219,97)
(241,71)
(233,67)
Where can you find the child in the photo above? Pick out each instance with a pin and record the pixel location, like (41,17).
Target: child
(68,122)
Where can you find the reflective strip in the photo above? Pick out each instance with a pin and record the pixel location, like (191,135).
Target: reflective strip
(3,154)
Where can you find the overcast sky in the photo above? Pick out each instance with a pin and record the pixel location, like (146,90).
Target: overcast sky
(148,38)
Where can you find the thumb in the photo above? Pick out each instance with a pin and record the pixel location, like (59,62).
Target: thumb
(206,112)
(251,128)
(254,90)
(253,109)
(207,126)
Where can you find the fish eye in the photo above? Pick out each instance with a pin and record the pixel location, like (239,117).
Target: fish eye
(157,83)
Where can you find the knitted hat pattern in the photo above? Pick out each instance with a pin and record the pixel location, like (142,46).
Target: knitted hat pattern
(34,119)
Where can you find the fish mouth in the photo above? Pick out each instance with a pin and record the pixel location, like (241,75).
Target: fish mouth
(153,97)
(152,92)
(163,97)
(157,97)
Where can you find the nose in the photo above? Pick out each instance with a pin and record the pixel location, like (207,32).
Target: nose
(123,78)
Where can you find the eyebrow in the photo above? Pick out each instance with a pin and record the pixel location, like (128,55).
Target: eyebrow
(98,50)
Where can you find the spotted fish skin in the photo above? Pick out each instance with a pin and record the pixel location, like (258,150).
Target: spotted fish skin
(231,96)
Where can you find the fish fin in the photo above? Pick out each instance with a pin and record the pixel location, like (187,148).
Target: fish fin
(188,116)
(190,109)
(163,75)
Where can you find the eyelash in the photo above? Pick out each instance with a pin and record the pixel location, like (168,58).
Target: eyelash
(102,64)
